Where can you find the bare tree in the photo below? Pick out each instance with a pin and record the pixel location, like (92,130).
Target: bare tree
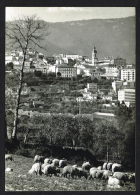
(27,31)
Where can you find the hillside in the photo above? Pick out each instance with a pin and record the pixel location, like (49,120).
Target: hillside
(112,37)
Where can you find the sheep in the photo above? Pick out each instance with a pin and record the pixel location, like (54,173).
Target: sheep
(49,170)
(62,163)
(121,176)
(86,166)
(47,160)
(38,158)
(43,165)
(106,174)
(55,162)
(105,166)
(8,169)
(36,168)
(74,166)
(117,167)
(114,181)
(109,166)
(82,172)
(99,168)
(131,177)
(8,157)
(99,174)
(92,173)
(72,171)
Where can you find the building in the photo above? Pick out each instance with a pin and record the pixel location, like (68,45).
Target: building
(72,56)
(8,59)
(111,69)
(119,62)
(106,116)
(116,85)
(94,57)
(128,74)
(92,86)
(66,71)
(106,61)
(126,95)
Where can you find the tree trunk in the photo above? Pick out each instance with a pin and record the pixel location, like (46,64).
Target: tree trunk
(14,137)
(25,139)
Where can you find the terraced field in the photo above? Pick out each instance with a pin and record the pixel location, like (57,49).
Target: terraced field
(20,180)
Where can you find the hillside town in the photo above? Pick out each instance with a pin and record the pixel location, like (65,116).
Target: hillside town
(119,74)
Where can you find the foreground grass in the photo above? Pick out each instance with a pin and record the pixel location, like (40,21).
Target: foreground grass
(20,180)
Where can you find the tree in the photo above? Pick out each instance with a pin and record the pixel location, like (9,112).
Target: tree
(58,74)
(25,32)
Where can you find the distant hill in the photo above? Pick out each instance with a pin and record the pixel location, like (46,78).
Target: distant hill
(112,37)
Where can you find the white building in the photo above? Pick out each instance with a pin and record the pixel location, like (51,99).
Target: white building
(126,95)
(66,71)
(106,116)
(92,86)
(128,74)
(8,59)
(72,56)
(116,85)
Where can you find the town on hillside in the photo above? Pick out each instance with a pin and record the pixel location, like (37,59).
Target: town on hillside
(72,78)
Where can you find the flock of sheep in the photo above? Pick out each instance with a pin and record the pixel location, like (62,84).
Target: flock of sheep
(112,172)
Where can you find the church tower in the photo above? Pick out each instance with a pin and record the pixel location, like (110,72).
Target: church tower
(94,57)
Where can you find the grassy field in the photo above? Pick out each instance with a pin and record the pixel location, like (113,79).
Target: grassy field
(20,180)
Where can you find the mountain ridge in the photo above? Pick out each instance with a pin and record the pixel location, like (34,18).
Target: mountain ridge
(111,37)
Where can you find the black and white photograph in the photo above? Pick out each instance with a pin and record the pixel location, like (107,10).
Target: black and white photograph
(70,98)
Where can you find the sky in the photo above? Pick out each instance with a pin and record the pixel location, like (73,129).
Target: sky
(62,14)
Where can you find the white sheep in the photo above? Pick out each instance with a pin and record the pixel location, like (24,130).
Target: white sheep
(114,181)
(86,166)
(8,157)
(36,168)
(55,162)
(62,163)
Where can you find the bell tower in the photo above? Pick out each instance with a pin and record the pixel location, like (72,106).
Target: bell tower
(94,57)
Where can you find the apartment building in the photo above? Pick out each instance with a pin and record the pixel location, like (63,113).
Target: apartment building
(127,95)
(128,74)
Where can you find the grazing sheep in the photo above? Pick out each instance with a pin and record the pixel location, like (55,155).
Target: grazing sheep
(82,173)
(8,157)
(117,167)
(106,174)
(49,170)
(121,176)
(109,166)
(36,168)
(131,177)
(8,169)
(114,181)
(86,166)
(38,158)
(43,165)
(93,173)
(74,166)
(99,174)
(55,162)
(72,171)
(47,160)
(62,163)
(99,168)
(105,166)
